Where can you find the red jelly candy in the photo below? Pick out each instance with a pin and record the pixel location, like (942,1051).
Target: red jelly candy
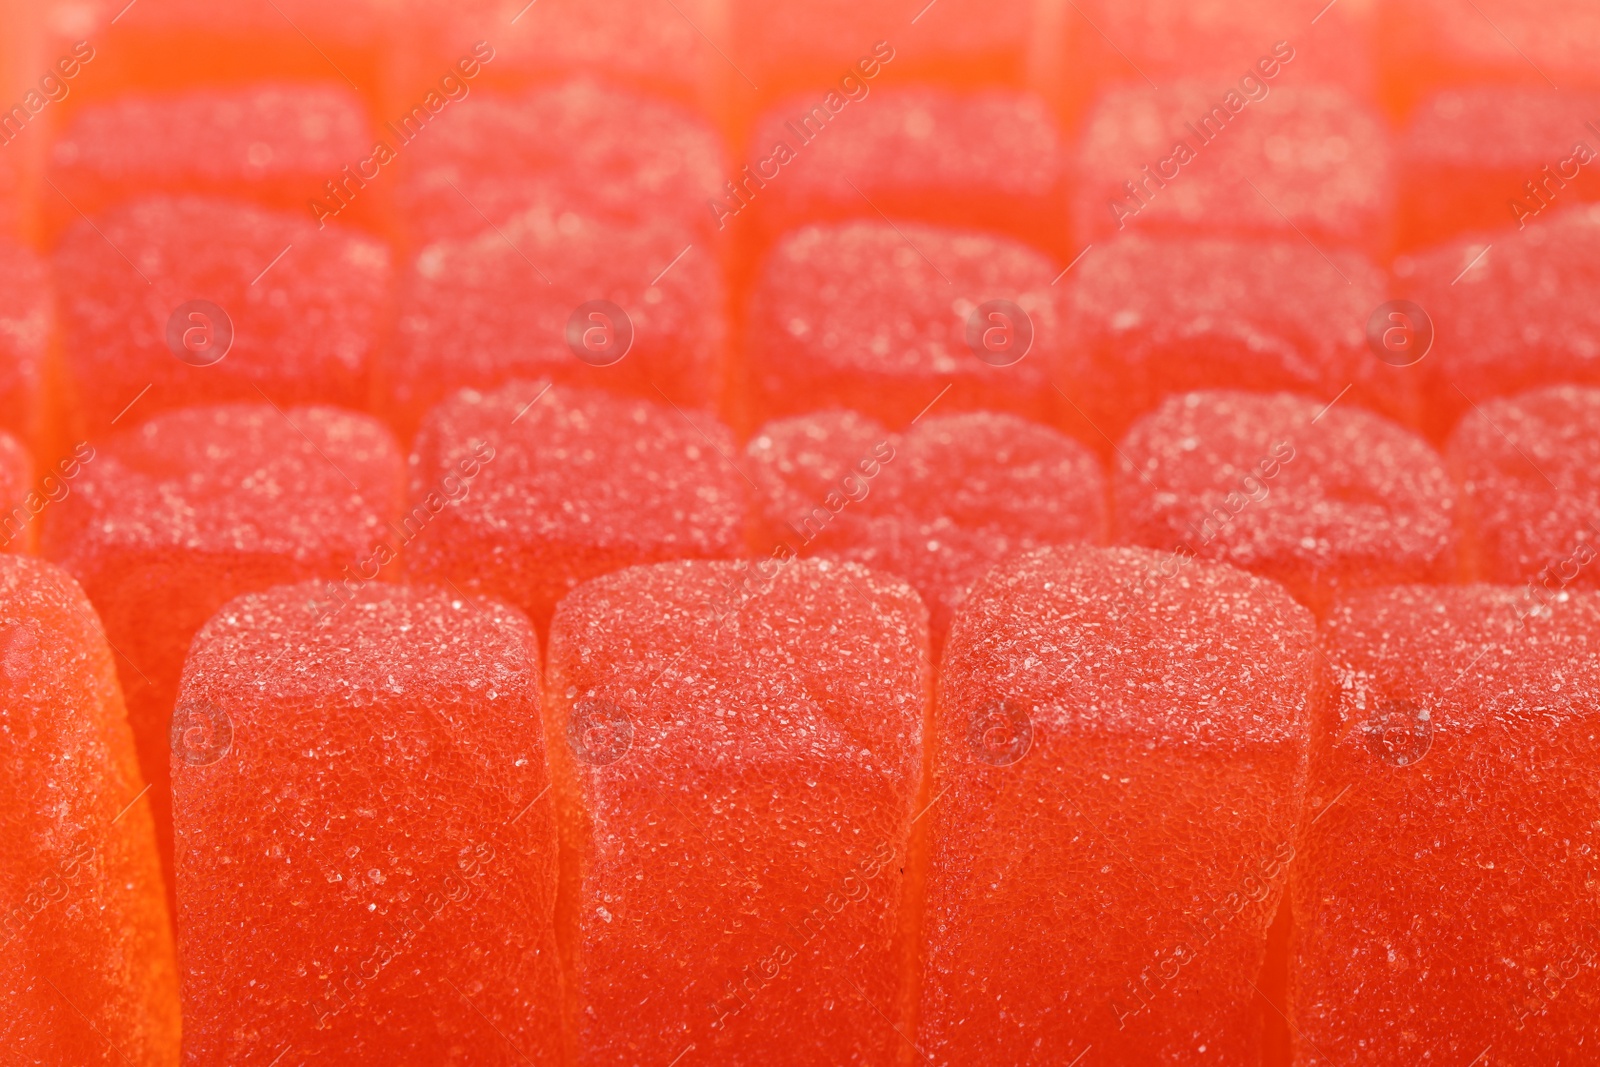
(938,505)
(198,300)
(366,854)
(25,321)
(86,972)
(576,146)
(1444,905)
(274,144)
(1479,158)
(198,506)
(737,787)
(1184,159)
(1322,499)
(1511,311)
(1526,466)
(1148,317)
(1122,766)
(991,159)
(881,317)
(527,491)
(574,299)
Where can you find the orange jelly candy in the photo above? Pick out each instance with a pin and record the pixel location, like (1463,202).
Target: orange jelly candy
(737,759)
(1121,764)
(366,851)
(86,967)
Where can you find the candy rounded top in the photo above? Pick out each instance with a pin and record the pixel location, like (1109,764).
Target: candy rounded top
(1106,642)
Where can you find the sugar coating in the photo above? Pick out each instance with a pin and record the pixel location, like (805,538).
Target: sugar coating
(938,505)
(482,311)
(166,522)
(367,868)
(741,769)
(573,483)
(18,530)
(26,317)
(1319,160)
(87,973)
(991,159)
(1445,893)
(1468,155)
(874,316)
(577,145)
(1349,501)
(274,143)
(1526,466)
(1122,765)
(1150,316)
(304,331)
(1510,311)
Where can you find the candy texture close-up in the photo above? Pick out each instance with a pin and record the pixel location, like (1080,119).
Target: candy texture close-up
(799,533)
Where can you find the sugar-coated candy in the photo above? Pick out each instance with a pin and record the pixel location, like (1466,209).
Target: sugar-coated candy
(1307,163)
(1527,469)
(1146,317)
(86,964)
(578,300)
(991,159)
(1322,499)
(526,491)
(1511,311)
(937,505)
(26,317)
(201,299)
(1121,765)
(1444,903)
(1481,158)
(166,522)
(579,145)
(880,317)
(366,848)
(274,143)
(737,757)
